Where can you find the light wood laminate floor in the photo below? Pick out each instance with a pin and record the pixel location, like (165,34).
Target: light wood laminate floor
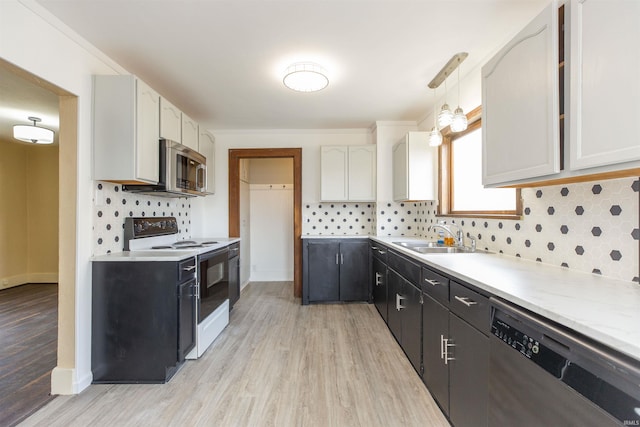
(278,363)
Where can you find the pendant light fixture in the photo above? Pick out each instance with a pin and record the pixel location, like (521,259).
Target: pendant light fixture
(445,116)
(435,137)
(33,134)
(459,121)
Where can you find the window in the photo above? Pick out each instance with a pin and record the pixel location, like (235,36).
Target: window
(461,190)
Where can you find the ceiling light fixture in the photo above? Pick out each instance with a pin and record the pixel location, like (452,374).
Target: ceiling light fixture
(459,121)
(445,117)
(33,134)
(435,137)
(305,77)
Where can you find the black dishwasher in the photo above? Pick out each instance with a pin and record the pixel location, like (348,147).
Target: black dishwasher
(542,374)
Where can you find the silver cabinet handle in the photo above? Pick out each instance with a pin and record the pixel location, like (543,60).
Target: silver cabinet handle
(432,282)
(448,357)
(190,268)
(336,259)
(378,279)
(399,305)
(341,258)
(465,300)
(381,252)
(375,248)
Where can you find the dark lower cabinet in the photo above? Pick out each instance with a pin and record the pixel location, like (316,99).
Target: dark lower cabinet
(405,316)
(435,328)
(234,274)
(468,375)
(142,321)
(379,286)
(335,270)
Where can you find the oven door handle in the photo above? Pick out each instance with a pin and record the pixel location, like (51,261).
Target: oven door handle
(189,268)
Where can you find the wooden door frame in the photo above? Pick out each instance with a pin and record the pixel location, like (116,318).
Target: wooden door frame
(234,198)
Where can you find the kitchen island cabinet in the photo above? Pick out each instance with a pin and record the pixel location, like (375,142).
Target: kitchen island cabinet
(335,270)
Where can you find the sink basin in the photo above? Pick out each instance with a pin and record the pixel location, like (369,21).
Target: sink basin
(437,248)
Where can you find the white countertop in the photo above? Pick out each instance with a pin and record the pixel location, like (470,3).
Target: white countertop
(165,255)
(604,309)
(336,236)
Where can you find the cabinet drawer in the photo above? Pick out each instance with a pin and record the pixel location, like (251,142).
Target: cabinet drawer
(379,251)
(470,306)
(436,286)
(406,268)
(234,250)
(186,270)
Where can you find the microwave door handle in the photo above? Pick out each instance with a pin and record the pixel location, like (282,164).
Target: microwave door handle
(202,186)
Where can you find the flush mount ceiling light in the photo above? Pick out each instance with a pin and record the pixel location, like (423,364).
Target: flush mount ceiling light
(33,134)
(305,77)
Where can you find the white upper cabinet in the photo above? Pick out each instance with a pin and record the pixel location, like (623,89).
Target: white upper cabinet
(520,113)
(189,132)
(362,173)
(605,82)
(207,147)
(334,178)
(415,172)
(126,130)
(170,121)
(348,173)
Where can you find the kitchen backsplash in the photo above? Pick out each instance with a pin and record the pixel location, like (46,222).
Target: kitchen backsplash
(112,206)
(338,218)
(592,227)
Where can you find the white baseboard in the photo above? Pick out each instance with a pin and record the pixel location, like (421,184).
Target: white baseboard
(63,381)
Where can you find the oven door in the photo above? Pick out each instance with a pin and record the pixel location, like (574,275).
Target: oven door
(213,281)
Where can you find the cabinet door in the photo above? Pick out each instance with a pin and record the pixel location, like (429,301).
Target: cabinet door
(394,317)
(189,132)
(186,318)
(170,121)
(520,105)
(207,147)
(333,173)
(604,115)
(147,133)
(380,287)
(354,271)
(323,271)
(435,327)
(400,171)
(412,325)
(362,173)
(469,375)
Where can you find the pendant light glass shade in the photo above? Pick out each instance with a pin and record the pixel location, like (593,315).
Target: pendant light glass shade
(459,122)
(445,117)
(33,133)
(435,137)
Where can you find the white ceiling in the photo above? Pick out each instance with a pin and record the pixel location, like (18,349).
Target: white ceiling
(221,62)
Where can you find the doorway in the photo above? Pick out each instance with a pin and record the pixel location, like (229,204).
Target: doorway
(235,155)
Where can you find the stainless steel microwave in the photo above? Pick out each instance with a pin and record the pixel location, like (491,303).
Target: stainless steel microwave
(183,173)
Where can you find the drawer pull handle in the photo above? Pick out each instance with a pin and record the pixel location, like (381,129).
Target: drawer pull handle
(432,282)
(399,305)
(381,252)
(190,268)
(465,300)
(378,279)
(375,248)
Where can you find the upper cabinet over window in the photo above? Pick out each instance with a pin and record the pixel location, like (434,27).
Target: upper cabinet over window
(126,130)
(605,82)
(520,112)
(348,173)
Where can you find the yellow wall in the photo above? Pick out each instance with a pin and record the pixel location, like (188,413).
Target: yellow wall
(28,214)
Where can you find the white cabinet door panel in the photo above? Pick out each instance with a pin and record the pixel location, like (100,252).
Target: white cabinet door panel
(605,82)
(520,113)
(362,173)
(148,128)
(334,173)
(400,171)
(189,132)
(207,147)
(170,121)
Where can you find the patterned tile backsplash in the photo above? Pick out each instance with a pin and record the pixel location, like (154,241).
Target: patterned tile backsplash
(592,227)
(338,218)
(112,206)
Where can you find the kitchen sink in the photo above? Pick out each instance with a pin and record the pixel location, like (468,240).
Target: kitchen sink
(430,247)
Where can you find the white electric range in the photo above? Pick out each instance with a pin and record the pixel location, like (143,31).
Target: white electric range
(213,255)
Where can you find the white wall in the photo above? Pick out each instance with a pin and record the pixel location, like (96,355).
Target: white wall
(34,40)
(217,206)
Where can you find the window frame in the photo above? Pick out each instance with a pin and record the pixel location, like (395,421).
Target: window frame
(445,184)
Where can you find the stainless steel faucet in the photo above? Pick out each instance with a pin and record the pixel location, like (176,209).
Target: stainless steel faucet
(458,237)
